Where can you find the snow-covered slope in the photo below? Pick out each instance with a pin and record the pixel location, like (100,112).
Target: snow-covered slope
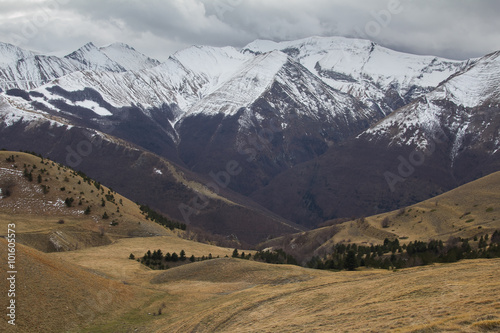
(366,70)
(28,70)
(248,81)
(464,108)
(12,112)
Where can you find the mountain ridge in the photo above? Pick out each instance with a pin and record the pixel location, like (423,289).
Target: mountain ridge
(307,111)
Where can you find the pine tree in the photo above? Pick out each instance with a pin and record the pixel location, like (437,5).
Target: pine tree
(350,261)
(182,255)
(235,253)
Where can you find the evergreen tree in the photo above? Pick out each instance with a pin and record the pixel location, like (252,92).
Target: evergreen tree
(235,253)
(182,255)
(350,261)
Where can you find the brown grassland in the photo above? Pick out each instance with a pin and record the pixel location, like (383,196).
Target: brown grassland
(90,285)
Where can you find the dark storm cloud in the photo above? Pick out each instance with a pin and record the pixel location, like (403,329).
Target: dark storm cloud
(451,28)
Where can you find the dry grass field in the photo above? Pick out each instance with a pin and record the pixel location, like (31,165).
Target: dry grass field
(90,285)
(234,295)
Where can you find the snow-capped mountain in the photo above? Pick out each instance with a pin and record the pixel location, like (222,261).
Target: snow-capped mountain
(441,140)
(27,70)
(465,107)
(378,76)
(270,107)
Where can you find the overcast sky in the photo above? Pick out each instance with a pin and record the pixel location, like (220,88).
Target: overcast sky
(455,29)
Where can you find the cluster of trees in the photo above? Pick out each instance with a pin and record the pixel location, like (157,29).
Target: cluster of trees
(236,254)
(275,257)
(158,260)
(393,255)
(160,219)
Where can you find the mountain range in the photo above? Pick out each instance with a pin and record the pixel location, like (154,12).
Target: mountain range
(264,140)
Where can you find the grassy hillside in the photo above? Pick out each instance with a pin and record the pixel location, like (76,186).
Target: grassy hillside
(467,211)
(233,295)
(56,209)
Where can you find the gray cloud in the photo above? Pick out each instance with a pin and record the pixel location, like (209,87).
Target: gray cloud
(451,28)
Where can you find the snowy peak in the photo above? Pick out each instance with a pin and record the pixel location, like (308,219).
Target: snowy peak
(478,84)
(90,57)
(366,70)
(10,53)
(128,58)
(213,64)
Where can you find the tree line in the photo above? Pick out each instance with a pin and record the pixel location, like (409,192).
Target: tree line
(160,219)
(158,260)
(392,255)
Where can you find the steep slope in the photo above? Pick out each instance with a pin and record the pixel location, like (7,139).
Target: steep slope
(439,141)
